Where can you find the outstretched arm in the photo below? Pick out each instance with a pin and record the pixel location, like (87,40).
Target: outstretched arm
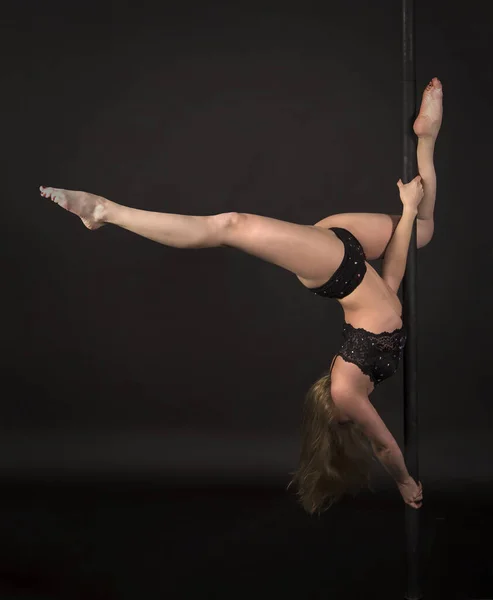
(386,449)
(394,263)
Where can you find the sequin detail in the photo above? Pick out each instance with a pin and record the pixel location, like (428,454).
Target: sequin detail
(350,272)
(376,354)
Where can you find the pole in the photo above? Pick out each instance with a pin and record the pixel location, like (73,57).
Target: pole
(409,171)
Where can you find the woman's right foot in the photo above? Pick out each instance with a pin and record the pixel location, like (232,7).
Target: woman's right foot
(90,208)
(430,115)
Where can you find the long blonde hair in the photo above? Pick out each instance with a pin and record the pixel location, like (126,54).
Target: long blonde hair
(335,458)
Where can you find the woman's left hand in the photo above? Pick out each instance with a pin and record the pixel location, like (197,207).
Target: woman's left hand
(411,492)
(411,193)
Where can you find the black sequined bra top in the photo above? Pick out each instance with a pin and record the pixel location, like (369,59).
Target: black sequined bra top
(376,354)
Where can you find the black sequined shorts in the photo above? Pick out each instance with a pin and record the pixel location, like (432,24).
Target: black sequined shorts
(350,272)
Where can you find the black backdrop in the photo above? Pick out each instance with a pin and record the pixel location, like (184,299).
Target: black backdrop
(125,357)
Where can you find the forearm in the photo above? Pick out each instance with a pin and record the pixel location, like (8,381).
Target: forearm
(393,462)
(396,254)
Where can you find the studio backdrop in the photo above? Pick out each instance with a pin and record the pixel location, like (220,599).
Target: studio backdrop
(124,357)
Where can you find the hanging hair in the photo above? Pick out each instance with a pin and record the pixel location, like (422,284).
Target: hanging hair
(335,458)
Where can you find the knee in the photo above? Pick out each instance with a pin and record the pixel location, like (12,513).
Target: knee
(424,231)
(233,220)
(226,226)
(225,219)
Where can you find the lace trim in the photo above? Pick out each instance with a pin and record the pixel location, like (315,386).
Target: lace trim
(372,333)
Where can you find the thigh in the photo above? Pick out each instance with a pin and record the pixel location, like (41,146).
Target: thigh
(312,253)
(373,230)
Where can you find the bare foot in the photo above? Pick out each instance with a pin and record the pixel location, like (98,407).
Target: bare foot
(430,115)
(88,207)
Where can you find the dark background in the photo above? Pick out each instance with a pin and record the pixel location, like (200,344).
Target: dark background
(124,359)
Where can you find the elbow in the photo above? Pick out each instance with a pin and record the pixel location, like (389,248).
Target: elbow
(381,449)
(386,449)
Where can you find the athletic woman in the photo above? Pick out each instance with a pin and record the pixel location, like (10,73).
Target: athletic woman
(342,431)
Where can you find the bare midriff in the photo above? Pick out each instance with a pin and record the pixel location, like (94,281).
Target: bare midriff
(373,305)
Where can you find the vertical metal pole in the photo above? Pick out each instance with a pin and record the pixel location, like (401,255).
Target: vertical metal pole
(409,171)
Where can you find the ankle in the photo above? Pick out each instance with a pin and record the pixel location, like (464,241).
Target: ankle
(427,140)
(105,210)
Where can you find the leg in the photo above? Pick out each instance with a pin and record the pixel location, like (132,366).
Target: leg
(310,252)
(375,230)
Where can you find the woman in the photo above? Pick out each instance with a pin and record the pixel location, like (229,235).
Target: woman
(342,430)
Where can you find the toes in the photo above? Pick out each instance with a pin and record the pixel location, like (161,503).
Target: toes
(59,198)
(54,194)
(49,192)
(436,83)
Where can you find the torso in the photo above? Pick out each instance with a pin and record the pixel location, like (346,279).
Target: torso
(373,305)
